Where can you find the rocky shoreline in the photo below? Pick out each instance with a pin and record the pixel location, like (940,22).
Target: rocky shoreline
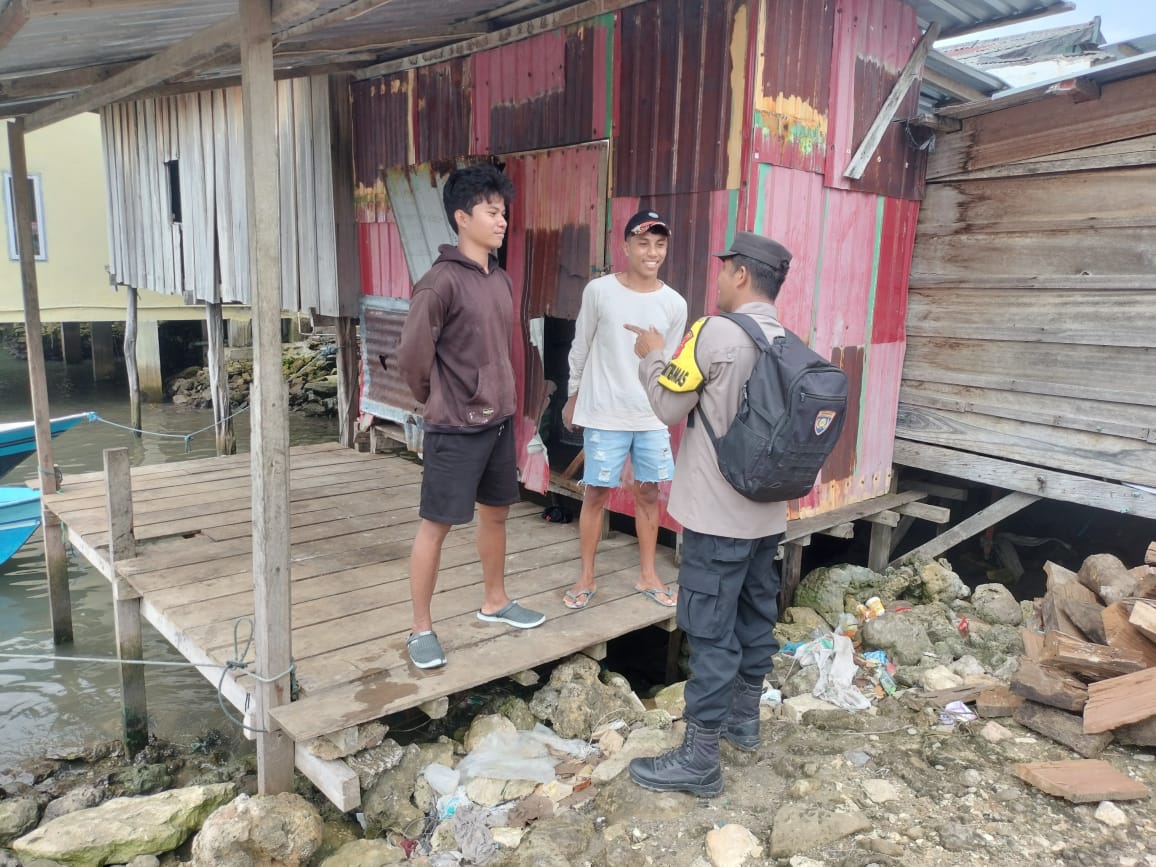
(309,368)
(519,776)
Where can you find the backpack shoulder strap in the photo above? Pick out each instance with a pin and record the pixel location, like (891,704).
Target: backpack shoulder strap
(752,328)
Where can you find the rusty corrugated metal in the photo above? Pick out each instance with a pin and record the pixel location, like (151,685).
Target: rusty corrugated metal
(383,269)
(793,75)
(383,391)
(673,82)
(415,200)
(873,40)
(555,244)
(441,111)
(543,92)
(381,127)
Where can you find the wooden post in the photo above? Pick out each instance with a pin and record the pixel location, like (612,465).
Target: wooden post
(130,322)
(270,402)
(348,380)
(59,597)
(792,573)
(126,601)
(880,551)
(219,380)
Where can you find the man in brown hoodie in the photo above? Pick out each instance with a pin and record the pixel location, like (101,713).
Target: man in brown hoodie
(456,356)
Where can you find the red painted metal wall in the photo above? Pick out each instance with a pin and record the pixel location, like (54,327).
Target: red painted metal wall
(722,115)
(542,92)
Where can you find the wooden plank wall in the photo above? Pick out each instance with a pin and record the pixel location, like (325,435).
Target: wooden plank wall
(1033,291)
(207,254)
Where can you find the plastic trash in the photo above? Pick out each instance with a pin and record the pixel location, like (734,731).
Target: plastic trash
(836,672)
(442,780)
(520,755)
(449,804)
(771,696)
(960,712)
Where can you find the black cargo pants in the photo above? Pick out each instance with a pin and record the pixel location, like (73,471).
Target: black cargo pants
(727,605)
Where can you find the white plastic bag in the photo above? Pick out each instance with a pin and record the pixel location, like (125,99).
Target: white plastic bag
(508,756)
(442,780)
(836,671)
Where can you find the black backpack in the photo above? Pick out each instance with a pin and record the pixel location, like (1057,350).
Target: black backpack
(790,417)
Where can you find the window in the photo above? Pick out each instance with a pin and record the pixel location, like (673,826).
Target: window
(39,242)
(174,191)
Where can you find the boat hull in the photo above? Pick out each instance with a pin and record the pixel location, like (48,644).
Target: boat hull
(19,518)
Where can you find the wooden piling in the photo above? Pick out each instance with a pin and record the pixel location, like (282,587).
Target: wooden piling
(219,380)
(130,327)
(126,601)
(270,401)
(56,559)
(348,380)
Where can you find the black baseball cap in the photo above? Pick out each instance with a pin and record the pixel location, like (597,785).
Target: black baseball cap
(645,221)
(759,248)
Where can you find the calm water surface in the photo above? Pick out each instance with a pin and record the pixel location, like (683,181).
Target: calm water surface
(48,706)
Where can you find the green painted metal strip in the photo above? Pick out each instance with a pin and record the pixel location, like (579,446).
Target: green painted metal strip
(732,216)
(879,206)
(761,199)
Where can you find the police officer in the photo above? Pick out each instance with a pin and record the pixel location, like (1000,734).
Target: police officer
(728,583)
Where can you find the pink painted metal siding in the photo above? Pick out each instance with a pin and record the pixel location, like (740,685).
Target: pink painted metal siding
(383,269)
(554,246)
(672,81)
(542,92)
(873,40)
(793,80)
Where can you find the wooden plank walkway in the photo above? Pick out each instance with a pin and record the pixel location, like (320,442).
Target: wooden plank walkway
(353,519)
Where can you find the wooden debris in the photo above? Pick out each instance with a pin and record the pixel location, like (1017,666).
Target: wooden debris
(1088,617)
(1062,727)
(1033,643)
(1120,701)
(1143,618)
(1146,587)
(1142,734)
(1056,618)
(1058,575)
(1108,577)
(1093,661)
(943,697)
(1150,554)
(1123,635)
(1081,781)
(999,701)
(1049,686)
(1075,592)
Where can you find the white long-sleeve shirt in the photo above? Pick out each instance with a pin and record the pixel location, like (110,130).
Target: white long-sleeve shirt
(602,361)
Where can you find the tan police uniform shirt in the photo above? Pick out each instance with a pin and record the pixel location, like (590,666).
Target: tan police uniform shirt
(708,371)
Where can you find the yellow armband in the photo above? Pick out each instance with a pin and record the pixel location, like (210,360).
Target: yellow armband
(682,373)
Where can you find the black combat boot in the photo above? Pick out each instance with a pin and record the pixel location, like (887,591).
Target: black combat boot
(692,767)
(742,724)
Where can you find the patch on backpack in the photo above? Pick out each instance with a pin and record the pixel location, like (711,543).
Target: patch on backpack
(823,421)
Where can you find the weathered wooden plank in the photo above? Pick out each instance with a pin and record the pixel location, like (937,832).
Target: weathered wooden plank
(1092,416)
(391,687)
(1031,315)
(1081,781)
(1123,635)
(1092,661)
(1004,282)
(1046,126)
(801,527)
(1045,483)
(998,701)
(1062,727)
(926,512)
(334,779)
(1139,151)
(1009,504)
(1143,618)
(1090,454)
(1120,701)
(1048,686)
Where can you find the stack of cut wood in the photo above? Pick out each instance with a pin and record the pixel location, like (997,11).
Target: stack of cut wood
(1088,674)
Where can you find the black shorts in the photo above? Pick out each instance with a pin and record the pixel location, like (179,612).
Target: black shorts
(466,468)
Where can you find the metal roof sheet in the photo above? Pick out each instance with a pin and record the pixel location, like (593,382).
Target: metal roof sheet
(64,47)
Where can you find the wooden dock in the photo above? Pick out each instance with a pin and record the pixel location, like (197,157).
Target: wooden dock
(353,519)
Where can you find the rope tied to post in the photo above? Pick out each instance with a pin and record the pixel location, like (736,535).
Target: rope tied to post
(186,437)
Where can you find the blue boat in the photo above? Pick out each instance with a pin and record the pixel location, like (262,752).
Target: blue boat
(20,506)
(18,439)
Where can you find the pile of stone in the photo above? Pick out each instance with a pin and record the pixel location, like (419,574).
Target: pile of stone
(309,368)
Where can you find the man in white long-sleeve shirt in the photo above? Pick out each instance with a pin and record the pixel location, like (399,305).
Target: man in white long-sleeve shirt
(609,403)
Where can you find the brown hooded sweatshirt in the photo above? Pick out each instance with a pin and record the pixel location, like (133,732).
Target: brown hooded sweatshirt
(456,345)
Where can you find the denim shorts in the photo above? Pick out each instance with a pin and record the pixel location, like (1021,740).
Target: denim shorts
(606,452)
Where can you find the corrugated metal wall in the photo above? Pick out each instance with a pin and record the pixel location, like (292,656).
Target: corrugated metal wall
(205,255)
(721,115)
